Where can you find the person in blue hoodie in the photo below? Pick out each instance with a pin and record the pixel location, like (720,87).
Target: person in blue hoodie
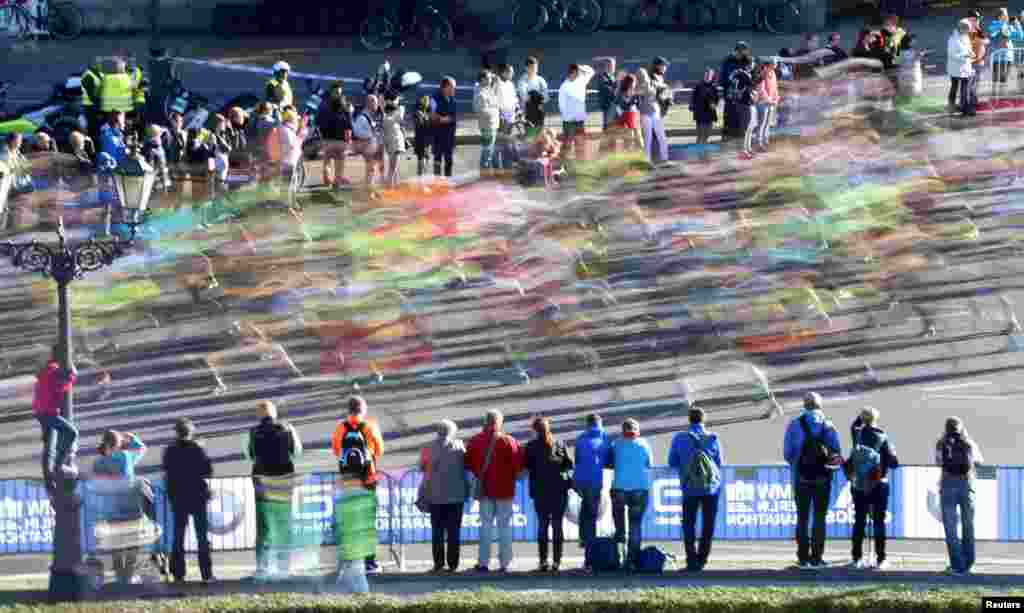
(112,137)
(680,456)
(630,456)
(588,478)
(812,481)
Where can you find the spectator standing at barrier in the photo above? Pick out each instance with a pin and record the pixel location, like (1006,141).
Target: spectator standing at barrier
(91,80)
(958,456)
(811,447)
(443,113)
(627,125)
(358,445)
(423,137)
(259,133)
(495,459)
(155,155)
(394,139)
(743,96)
(871,459)
(272,446)
(704,105)
(631,458)
(119,453)
(572,106)
(187,468)
(1002,60)
(445,490)
(979,47)
(607,87)
(51,385)
(487,106)
(508,104)
(650,118)
(835,46)
(591,453)
(366,134)
(697,455)
(550,469)
(767,95)
(292,131)
(531,81)
(911,76)
(279,90)
(335,123)
(731,63)
(959,66)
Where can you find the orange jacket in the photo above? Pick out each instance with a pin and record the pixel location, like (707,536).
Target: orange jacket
(374,441)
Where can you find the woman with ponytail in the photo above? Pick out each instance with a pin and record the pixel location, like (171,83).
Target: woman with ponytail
(549,466)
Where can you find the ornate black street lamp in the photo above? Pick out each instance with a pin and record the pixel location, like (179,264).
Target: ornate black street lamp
(65,263)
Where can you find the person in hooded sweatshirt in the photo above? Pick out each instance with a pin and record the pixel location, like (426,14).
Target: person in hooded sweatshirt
(630,456)
(682,453)
(591,454)
(865,431)
(811,487)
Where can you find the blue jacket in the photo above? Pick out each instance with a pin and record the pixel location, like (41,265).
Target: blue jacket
(112,143)
(591,454)
(632,457)
(794,440)
(681,454)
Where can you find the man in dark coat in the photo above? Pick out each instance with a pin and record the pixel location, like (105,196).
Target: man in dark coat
(187,468)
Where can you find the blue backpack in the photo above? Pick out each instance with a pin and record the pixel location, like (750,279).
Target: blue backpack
(867,465)
(651,560)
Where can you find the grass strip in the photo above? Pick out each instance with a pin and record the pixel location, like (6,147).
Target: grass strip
(859,599)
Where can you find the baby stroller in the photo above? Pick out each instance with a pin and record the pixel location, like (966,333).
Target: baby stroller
(121,518)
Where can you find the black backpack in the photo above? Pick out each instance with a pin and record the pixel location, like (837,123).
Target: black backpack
(354,460)
(956,455)
(814,455)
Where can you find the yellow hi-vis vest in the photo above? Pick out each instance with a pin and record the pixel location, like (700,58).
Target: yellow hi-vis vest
(138,91)
(116,93)
(90,80)
(275,88)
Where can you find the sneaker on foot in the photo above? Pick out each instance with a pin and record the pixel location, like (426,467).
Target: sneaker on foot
(857,564)
(372,568)
(806,566)
(883,565)
(480,568)
(820,564)
(543,568)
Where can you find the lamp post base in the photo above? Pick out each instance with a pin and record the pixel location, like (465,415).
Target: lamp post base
(67,586)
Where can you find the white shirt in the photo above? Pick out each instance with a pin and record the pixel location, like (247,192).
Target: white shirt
(529,84)
(508,100)
(572,96)
(291,144)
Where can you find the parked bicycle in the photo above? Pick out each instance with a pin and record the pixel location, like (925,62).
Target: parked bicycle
(63,20)
(383,30)
(705,16)
(581,16)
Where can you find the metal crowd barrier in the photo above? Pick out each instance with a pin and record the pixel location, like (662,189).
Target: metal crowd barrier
(756,504)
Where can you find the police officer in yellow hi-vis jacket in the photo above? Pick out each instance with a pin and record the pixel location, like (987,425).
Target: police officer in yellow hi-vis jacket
(117,90)
(139,89)
(90,97)
(279,91)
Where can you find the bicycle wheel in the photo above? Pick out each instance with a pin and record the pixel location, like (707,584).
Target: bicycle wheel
(65,21)
(645,15)
(377,33)
(437,33)
(529,16)
(583,16)
(779,19)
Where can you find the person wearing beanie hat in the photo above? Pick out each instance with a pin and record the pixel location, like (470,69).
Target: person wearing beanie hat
(871,459)
(958,456)
(811,443)
(630,457)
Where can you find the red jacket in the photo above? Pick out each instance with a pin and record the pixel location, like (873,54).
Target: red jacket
(50,388)
(506,462)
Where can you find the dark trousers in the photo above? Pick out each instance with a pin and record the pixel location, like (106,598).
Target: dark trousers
(550,520)
(444,150)
(446,528)
(876,503)
(200,521)
(708,505)
(958,87)
(636,500)
(729,121)
(811,494)
(590,507)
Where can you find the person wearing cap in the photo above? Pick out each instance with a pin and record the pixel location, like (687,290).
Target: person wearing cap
(731,63)
(572,105)
(704,499)
(959,458)
(335,123)
(865,431)
(630,457)
(279,91)
(810,491)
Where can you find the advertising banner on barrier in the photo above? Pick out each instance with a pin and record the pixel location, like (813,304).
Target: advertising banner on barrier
(756,503)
